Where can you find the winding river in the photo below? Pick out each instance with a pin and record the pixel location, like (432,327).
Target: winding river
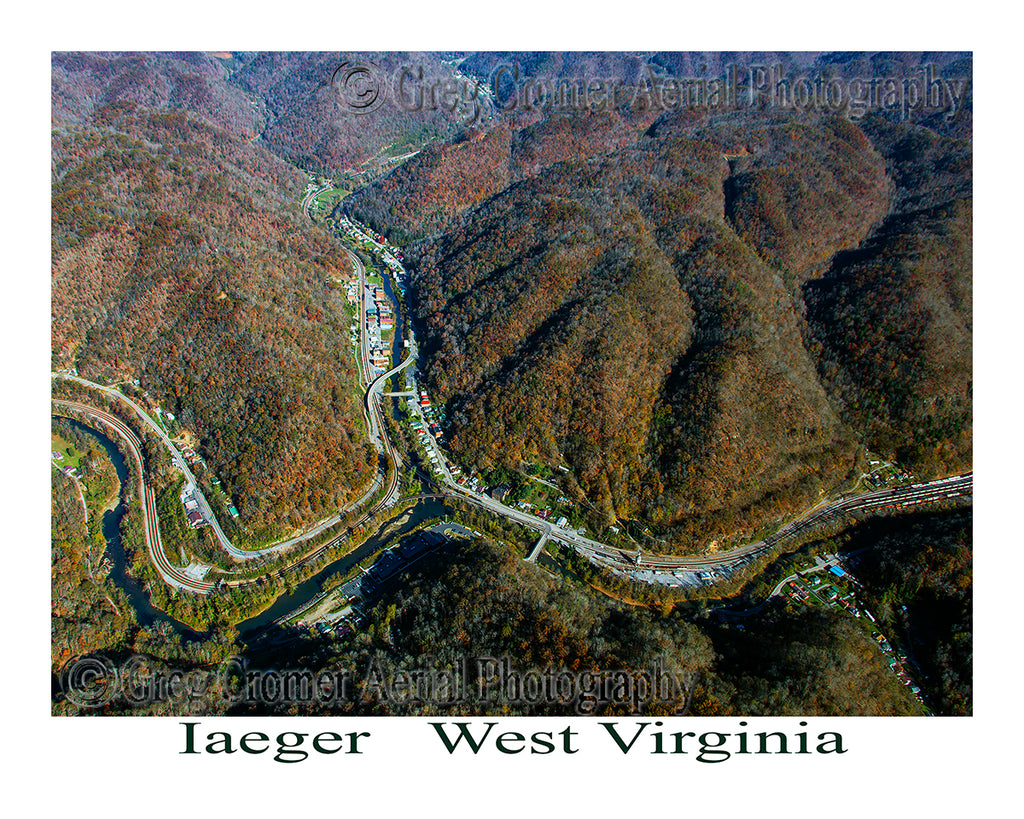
(146,613)
(308,589)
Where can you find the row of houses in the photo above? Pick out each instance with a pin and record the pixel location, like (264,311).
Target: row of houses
(352,289)
(378,308)
(379,318)
(397,270)
(390,254)
(427,412)
(425,426)
(381,308)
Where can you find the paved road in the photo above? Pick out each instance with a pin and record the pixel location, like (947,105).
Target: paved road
(372,408)
(822,513)
(204,506)
(180,580)
(364,342)
(171,575)
(885,499)
(313,194)
(898,498)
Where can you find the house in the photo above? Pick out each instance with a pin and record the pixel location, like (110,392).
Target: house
(499,492)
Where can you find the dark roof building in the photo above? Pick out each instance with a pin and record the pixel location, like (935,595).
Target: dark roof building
(499,492)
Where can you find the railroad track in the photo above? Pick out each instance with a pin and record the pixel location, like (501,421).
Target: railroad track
(390,470)
(176,577)
(880,501)
(154,545)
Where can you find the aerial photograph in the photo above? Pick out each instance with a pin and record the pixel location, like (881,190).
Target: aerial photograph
(511,383)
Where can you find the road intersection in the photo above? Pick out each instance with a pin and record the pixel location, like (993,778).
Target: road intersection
(388,477)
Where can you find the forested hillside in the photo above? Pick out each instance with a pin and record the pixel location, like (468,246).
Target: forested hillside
(687,324)
(305,124)
(83,83)
(919,579)
(181,258)
(427,192)
(422,195)
(481,602)
(891,322)
(635,315)
(706,318)
(478,601)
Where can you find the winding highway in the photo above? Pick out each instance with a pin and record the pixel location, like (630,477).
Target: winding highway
(388,475)
(882,500)
(154,546)
(172,575)
(204,505)
(899,497)
(388,478)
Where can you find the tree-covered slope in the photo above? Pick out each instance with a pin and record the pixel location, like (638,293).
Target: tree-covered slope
(891,321)
(180,257)
(612,313)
